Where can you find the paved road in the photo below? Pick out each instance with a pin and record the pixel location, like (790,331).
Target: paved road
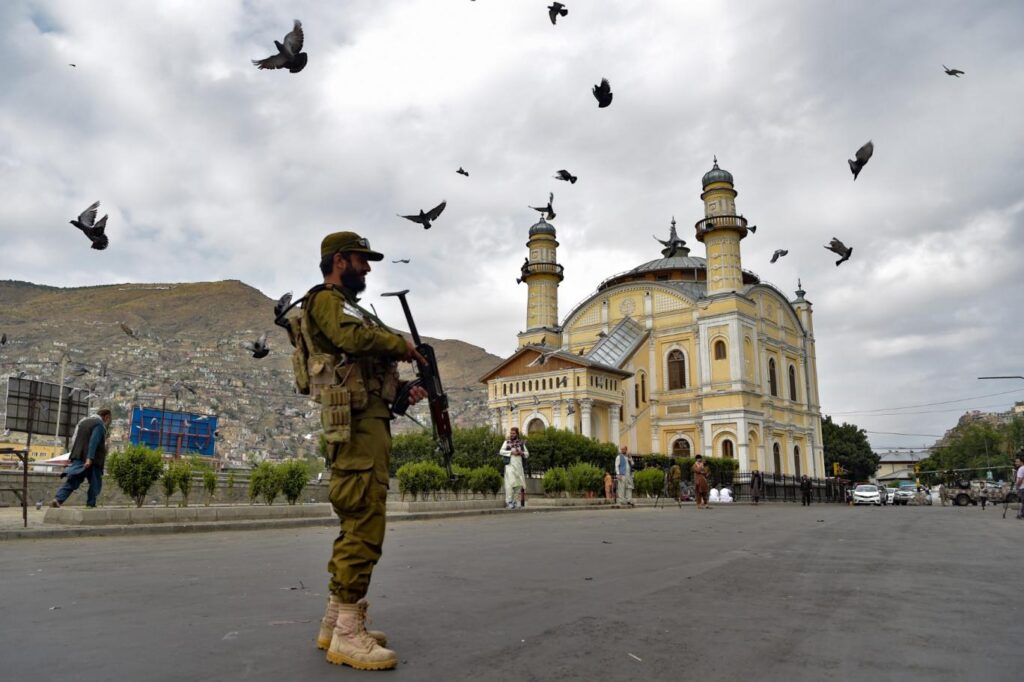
(770,593)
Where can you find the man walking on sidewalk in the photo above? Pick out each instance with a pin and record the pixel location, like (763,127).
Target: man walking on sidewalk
(88,455)
(624,474)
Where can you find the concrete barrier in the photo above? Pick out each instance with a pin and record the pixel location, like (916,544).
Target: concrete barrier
(126,516)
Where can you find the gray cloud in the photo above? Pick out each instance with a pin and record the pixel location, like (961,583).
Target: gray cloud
(210,169)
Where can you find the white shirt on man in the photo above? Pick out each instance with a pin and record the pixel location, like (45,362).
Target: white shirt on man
(1020,477)
(725,495)
(713,496)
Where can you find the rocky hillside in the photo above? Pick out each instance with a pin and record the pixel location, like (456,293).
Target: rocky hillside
(192,333)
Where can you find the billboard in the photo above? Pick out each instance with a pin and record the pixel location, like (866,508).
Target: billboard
(37,402)
(177,433)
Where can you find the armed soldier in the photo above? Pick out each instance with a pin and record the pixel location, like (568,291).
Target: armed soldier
(346,358)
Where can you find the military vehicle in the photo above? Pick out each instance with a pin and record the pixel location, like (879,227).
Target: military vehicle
(969,492)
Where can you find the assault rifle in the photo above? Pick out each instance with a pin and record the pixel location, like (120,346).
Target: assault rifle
(428,377)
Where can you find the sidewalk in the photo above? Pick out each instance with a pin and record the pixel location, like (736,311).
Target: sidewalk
(11,527)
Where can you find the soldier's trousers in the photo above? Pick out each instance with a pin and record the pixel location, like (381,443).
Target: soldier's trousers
(358,493)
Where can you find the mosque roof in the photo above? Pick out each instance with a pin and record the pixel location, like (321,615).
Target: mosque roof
(619,344)
(673,263)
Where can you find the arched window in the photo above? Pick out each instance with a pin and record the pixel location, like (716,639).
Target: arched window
(796,459)
(727,449)
(535,425)
(636,395)
(773,384)
(643,387)
(676,370)
(792,383)
(777,456)
(504,388)
(681,448)
(720,352)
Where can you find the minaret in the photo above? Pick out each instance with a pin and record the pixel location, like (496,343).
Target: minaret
(721,231)
(542,274)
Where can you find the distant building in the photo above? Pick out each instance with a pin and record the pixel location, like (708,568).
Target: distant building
(898,465)
(679,355)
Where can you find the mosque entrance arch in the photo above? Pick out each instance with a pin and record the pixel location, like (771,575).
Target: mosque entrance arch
(535,425)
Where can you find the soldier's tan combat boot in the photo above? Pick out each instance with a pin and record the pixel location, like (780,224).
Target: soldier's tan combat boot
(352,645)
(323,640)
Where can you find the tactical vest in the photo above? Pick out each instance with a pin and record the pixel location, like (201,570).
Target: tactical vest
(341,383)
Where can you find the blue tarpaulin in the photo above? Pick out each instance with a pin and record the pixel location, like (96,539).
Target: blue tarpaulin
(174,432)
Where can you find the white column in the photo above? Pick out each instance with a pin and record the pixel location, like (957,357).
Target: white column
(557,410)
(496,419)
(586,405)
(743,446)
(708,445)
(613,424)
(515,419)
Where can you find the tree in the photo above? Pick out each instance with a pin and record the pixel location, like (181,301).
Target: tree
(169,483)
(135,469)
(209,484)
(979,445)
(848,445)
(183,477)
(265,482)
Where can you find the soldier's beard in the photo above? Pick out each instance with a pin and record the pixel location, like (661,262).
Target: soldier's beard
(353,281)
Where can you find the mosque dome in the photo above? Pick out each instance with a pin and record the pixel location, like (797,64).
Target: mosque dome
(716,174)
(542,227)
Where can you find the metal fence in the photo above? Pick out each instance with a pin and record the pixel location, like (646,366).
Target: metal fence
(784,488)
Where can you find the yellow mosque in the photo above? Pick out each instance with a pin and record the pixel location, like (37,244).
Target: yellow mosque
(680,355)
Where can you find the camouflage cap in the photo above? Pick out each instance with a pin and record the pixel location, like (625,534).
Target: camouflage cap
(349,242)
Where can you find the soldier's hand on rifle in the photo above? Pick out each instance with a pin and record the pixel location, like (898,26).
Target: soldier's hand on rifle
(411,354)
(416,394)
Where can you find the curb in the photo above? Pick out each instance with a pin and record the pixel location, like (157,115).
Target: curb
(263,524)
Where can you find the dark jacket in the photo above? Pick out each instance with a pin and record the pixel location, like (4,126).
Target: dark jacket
(805,485)
(83,436)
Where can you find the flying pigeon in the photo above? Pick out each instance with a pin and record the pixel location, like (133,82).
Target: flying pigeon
(952,72)
(462,171)
(603,93)
(3,339)
(546,209)
(554,9)
(425,219)
(128,330)
(861,158)
(74,65)
(87,223)
(839,248)
(259,348)
(567,176)
(779,253)
(282,303)
(289,55)
(401,260)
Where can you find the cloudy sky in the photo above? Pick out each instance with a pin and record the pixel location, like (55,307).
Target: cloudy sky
(211,169)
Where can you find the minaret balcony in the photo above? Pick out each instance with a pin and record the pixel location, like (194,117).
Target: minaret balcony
(541,267)
(732,222)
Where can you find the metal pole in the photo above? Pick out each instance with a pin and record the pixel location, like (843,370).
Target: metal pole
(60,394)
(163,410)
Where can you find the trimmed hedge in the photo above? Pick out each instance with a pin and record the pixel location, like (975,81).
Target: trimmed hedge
(556,481)
(135,469)
(649,482)
(584,477)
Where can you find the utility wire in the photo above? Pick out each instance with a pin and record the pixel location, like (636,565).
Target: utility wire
(942,402)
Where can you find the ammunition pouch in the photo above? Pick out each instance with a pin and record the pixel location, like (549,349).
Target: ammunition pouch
(320,373)
(336,415)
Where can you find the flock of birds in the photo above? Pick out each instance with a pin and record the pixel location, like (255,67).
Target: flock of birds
(291,57)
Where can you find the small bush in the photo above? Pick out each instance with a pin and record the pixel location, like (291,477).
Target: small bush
(649,482)
(584,477)
(556,481)
(485,480)
(135,469)
(294,475)
(461,483)
(183,476)
(209,484)
(265,482)
(231,481)
(168,484)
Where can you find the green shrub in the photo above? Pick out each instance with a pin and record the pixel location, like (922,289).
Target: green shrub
(485,480)
(265,482)
(556,481)
(408,484)
(169,483)
(183,476)
(461,483)
(231,481)
(209,484)
(583,477)
(649,482)
(135,469)
(294,475)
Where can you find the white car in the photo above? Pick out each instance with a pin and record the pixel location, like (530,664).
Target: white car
(867,494)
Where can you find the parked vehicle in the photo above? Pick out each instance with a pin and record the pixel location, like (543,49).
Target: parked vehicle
(867,493)
(883,495)
(903,496)
(890,495)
